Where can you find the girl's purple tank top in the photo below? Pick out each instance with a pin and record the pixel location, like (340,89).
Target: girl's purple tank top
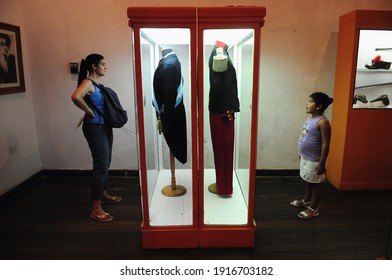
(310,141)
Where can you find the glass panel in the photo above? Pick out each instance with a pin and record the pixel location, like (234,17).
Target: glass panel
(167,124)
(373,79)
(228,79)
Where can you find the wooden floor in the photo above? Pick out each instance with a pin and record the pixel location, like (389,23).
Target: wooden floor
(50,220)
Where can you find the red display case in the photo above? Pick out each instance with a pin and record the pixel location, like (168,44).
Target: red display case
(360,148)
(196,217)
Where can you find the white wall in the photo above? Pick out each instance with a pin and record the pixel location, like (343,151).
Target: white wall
(299,43)
(18,126)
(66,31)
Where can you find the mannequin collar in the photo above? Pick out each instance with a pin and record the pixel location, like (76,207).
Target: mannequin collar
(170,53)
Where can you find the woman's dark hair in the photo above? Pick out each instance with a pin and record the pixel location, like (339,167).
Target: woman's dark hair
(322,100)
(86,65)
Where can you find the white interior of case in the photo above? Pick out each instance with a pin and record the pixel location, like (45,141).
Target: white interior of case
(218,210)
(170,211)
(373,82)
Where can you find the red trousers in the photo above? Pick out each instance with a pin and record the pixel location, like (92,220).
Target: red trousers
(222,135)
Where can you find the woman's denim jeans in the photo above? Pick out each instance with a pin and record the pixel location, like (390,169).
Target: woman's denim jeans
(100,141)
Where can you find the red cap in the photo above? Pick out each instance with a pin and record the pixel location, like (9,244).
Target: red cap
(220,44)
(376,59)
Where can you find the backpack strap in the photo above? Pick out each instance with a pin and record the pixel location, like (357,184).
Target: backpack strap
(94,82)
(91,103)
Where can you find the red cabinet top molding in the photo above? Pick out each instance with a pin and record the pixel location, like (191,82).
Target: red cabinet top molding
(189,14)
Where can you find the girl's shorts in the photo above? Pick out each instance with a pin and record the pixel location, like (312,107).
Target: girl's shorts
(308,172)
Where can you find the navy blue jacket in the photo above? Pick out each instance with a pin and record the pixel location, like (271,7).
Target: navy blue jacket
(167,78)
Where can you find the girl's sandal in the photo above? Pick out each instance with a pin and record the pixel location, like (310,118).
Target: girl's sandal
(300,203)
(305,214)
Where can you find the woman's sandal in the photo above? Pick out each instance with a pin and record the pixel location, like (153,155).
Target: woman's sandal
(104,218)
(299,203)
(306,215)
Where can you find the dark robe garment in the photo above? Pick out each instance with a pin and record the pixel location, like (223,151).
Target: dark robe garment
(223,86)
(167,79)
(223,98)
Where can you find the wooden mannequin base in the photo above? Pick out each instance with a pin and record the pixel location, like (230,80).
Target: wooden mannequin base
(168,191)
(213,188)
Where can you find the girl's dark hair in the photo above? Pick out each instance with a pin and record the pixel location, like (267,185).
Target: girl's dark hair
(322,100)
(86,65)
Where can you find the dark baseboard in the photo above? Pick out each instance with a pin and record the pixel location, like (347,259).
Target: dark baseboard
(114,173)
(135,173)
(30,182)
(20,188)
(277,172)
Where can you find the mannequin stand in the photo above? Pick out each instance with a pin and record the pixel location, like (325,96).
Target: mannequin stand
(173,189)
(213,188)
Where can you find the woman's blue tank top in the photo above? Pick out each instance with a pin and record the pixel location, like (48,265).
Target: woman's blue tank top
(97,99)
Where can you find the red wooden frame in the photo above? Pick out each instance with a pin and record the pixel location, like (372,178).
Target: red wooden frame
(197,20)
(164,236)
(360,142)
(230,18)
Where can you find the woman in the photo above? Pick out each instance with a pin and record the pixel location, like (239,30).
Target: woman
(98,135)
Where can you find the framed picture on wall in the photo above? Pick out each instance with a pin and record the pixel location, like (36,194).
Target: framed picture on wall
(11,64)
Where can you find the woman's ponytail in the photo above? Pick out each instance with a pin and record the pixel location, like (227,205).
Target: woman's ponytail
(82,71)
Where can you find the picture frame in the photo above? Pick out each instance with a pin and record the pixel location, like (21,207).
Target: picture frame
(11,62)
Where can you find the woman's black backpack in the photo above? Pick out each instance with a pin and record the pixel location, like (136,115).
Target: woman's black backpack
(114,115)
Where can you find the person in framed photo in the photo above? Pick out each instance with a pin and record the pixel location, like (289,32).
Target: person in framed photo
(7,61)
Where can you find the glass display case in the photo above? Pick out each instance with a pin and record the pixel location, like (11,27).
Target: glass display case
(373,80)
(228,143)
(361,128)
(178,144)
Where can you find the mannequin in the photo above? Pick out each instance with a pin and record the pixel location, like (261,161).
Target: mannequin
(223,103)
(170,112)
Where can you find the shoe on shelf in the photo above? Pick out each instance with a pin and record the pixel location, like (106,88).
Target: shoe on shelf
(360,101)
(299,203)
(377,63)
(308,214)
(380,102)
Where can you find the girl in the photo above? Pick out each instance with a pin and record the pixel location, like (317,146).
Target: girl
(98,135)
(313,145)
